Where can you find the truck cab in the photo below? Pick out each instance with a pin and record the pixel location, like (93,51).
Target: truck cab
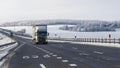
(40,34)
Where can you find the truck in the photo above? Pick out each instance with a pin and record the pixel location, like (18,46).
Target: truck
(39,34)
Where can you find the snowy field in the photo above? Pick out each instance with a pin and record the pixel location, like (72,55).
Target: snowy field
(55,32)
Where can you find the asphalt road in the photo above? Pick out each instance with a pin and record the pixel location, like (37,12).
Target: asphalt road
(63,55)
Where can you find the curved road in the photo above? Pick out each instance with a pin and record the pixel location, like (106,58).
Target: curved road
(63,55)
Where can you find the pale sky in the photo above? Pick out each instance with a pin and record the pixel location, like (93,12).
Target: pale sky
(16,10)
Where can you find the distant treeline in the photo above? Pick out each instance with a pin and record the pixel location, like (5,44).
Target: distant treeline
(80,25)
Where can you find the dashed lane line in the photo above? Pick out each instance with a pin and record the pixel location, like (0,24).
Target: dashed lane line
(35,56)
(59,57)
(51,53)
(42,66)
(64,61)
(74,48)
(73,65)
(54,55)
(46,56)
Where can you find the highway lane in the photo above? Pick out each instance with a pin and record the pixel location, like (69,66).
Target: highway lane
(94,59)
(31,56)
(63,55)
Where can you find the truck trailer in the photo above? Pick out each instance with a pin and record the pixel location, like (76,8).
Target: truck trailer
(39,34)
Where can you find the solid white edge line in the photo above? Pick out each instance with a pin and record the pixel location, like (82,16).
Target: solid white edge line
(19,46)
(42,66)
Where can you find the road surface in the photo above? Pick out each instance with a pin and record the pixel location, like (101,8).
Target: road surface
(63,55)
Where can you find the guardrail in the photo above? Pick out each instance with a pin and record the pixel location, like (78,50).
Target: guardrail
(6,50)
(96,40)
(11,47)
(17,33)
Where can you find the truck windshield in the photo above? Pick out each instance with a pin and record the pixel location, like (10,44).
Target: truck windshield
(41,33)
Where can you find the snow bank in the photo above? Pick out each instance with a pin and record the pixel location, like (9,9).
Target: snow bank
(5,40)
(4,50)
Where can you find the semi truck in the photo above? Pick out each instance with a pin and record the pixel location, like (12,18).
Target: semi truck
(39,34)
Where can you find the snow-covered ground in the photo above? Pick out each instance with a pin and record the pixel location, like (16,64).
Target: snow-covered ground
(4,39)
(55,32)
(4,50)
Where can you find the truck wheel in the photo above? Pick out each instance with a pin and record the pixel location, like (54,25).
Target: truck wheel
(45,42)
(35,43)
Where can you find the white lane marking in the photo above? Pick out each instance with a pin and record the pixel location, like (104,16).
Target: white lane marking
(19,46)
(54,55)
(23,43)
(46,51)
(25,57)
(51,53)
(46,56)
(35,56)
(98,52)
(64,60)
(74,48)
(59,57)
(42,66)
(83,54)
(73,65)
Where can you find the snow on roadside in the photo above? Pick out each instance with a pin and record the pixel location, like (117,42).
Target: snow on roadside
(4,50)
(4,39)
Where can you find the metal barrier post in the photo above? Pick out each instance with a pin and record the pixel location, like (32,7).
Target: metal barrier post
(119,40)
(90,39)
(102,40)
(109,40)
(114,40)
(105,40)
